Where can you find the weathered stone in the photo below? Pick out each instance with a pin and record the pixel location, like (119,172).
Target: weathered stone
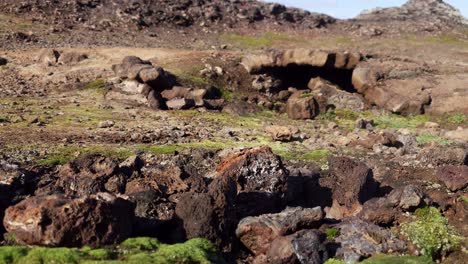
(261,179)
(175,92)
(71,58)
(48,57)
(279,133)
(353,184)
(180,104)
(440,155)
(134,87)
(302,106)
(155,77)
(384,211)
(133,72)
(58,221)
(315,58)
(358,239)
(155,101)
(257,233)
(86,175)
(106,124)
(454,177)
(210,215)
(304,246)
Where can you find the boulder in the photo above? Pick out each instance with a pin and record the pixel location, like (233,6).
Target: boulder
(279,133)
(384,211)
(134,87)
(155,77)
(175,92)
(302,106)
(358,239)
(180,104)
(444,155)
(121,70)
(71,58)
(54,220)
(334,97)
(402,96)
(454,177)
(305,246)
(48,57)
(309,57)
(155,101)
(261,180)
(210,215)
(352,184)
(86,175)
(257,233)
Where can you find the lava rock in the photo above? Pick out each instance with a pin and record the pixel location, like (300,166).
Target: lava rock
(257,233)
(54,220)
(86,175)
(454,177)
(302,106)
(384,211)
(279,133)
(261,179)
(359,239)
(305,246)
(352,185)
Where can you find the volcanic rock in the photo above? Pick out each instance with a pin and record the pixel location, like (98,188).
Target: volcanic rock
(257,233)
(352,184)
(454,177)
(358,239)
(304,246)
(261,180)
(279,133)
(384,211)
(302,106)
(48,57)
(58,221)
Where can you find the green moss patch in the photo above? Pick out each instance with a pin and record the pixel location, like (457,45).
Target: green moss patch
(431,233)
(427,138)
(134,250)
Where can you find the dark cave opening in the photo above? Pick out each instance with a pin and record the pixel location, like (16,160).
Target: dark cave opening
(298,76)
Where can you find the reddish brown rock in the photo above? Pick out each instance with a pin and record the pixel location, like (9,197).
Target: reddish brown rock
(209,215)
(304,246)
(257,233)
(86,175)
(454,177)
(58,221)
(302,106)
(385,210)
(352,184)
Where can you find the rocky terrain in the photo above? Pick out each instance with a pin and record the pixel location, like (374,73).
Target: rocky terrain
(232,132)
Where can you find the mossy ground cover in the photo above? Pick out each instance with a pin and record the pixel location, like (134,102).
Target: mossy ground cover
(135,250)
(431,232)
